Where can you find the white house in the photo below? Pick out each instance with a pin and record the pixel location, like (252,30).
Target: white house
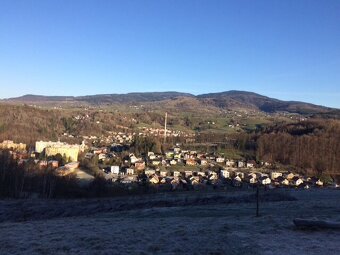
(274,175)
(220,160)
(130,171)
(240,163)
(225,173)
(253,180)
(115,169)
(265,180)
(149,172)
(204,162)
(173,162)
(250,165)
(240,174)
(133,158)
(319,182)
(296,181)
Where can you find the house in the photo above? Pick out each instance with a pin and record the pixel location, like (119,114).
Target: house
(156,162)
(290,176)
(190,162)
(253,180)
(151,155)
(230,163)
(169,155)
(240,174)
(163,173)
(225,173)
(274,175)
(101,156)
(220,160)
(115,169)
(177,174)
(282,181)
(237,181)
(173,162)
(240,164)
(213,176)
(251,164)
(154,179)
(204,162)
(265,180)
(149,172)
(163,180)
(133,158)
(319,183)
(188,173)
(139,166)
(177,150)
(194,180)
(130,171)
(296,181)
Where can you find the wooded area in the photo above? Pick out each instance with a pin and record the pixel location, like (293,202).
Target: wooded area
(313,145)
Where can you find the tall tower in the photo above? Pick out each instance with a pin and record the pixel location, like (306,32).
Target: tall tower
(165,121)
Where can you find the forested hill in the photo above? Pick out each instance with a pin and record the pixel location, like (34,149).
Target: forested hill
(311,145)
(224,100)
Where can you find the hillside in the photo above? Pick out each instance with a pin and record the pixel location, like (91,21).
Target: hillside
(231,100)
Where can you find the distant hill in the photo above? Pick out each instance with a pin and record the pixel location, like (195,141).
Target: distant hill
(243,99)
(224,100)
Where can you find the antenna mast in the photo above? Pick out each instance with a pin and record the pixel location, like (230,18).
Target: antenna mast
(165,122)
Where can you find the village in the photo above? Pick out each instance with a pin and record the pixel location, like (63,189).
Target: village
(176,169)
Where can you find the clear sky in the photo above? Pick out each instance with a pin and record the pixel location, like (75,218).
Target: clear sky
(287,49)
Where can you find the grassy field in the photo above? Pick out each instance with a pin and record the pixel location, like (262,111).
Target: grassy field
(188,223)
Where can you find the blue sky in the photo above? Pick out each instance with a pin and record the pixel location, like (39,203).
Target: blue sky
(287,49)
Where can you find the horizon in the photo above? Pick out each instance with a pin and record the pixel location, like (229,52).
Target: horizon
(288,50)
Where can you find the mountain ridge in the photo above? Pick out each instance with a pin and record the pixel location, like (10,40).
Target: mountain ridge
(233,99)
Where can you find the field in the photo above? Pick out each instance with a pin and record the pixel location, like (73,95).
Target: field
(176,223)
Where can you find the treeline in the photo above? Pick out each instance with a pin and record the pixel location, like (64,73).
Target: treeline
(26,180)
(312,145)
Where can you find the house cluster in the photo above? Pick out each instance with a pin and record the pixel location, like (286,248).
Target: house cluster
(146,131)
(177,167)
(44,151)
(180,168)
(272,179)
